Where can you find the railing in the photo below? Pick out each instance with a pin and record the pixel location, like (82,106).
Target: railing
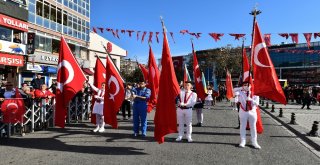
(40,115)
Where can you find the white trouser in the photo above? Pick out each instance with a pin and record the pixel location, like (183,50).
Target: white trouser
(99,120)
(184,117)
(252,117)
(199,115)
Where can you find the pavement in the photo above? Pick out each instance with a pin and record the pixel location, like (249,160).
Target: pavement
(214,143)
(304,119)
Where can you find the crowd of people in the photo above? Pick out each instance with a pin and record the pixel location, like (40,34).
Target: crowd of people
(305,96)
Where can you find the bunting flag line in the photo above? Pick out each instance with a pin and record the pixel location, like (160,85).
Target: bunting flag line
(267,39)
(150,37)
(171,34)
(143,35)
(308,38)
(285,35)
(294,37)
(157,37)
(216,36)
(237,36)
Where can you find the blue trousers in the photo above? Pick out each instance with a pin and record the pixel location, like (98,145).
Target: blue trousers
(140,116)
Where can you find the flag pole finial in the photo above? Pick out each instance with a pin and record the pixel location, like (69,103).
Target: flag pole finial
(163,26)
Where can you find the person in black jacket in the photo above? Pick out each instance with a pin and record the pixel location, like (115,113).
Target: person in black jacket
(37,82)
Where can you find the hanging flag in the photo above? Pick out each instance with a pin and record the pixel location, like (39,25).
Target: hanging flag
(138,32)
(186,75)
(266,81)
(294,37)
(123,31)
(237,36)
(117,33)
(246,66)
(184,31)
(144,73)
(216,36)
(171,34)
(101,29)
(229,86)
(98,78)
(267,38)
(157,33)
(316,35)
(204,83)
(13,109)
(94,29)
(150,37)
(285,35)
(130,32)
(153,81)
(197,76)
(70,79)
(308,38)
(114,94)
(143,35)
(165,119)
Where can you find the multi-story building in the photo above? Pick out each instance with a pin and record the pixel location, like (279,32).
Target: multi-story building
(128,65)
(13,32)
(49,19)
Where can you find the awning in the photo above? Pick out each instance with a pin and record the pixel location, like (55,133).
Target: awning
(87,71)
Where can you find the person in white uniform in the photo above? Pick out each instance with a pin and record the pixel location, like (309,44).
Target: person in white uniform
(187,99)
(98,107)
(248,111)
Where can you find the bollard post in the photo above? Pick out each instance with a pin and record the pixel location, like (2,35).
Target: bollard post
(267,105)
(314,129)
(272,108)
(293,119)
(280,113)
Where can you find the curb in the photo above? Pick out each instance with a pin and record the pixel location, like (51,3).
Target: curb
(299,134)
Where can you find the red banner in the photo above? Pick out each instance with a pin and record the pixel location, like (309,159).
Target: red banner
(13,23)
(11,60)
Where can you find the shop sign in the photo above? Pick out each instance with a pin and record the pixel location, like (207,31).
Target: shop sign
(43,58)
(11,60)
(11,47)
(37,68)
(13,23)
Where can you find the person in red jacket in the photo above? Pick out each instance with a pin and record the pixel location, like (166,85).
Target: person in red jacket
(43,93)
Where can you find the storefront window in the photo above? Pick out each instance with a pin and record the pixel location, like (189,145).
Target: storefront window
(5,34)
(18,37)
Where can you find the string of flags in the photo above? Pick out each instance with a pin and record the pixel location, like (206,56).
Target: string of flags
(216,36)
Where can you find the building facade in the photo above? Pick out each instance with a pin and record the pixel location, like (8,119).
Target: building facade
(13,32)
(49,19)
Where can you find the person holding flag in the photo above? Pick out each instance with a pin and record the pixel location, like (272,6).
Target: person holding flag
(98,106)
(140,98)
(187,99)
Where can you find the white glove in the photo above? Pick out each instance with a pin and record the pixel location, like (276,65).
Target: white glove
(182,104)
(96,96)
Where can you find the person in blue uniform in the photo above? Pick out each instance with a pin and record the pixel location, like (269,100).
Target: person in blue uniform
(141,94)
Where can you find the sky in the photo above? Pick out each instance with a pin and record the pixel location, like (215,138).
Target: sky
(205,16)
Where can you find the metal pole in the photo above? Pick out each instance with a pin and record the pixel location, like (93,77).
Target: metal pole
(32,116)
(76,110)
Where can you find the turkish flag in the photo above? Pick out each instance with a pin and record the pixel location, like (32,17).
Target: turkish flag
(153,80)
(266,81)
(114,94)
(198,77)
(165,119)
(144,72)
(229,86)
(99,78)
(70,80)
(13,109)
(246,67)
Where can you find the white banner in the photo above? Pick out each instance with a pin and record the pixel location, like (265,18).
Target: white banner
(11,47)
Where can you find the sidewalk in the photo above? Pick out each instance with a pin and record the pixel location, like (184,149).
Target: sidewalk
(304,119)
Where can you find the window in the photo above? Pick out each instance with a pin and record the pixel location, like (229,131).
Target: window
(46,10)
(55,46)
(59,16)
(53,16)
(43,43)
(39,7)
(31,18)
(59,1)
(18,37)
(5,34)
(65,18)
(65,2)
(32,8)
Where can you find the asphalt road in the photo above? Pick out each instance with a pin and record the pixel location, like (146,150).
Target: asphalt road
(214,143)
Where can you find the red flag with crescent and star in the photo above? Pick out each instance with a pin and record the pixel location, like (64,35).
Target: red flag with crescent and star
(70,80)
(13,109)
(198,77)
(114,93)
(145,73)
(153,80)
(165,120)
(99,77)
(266,83)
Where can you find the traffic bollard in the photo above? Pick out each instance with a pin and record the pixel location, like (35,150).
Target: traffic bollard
(267,105)
(272,108)
(280,113)
(293,119)
(314,129)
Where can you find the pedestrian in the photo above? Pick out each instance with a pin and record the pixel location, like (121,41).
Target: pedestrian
(198,107)
(306,98)
(248,112)
(140,97)
(209,98)
(98,106)
(184,111)
(53,86)
(37,82)
(126,104)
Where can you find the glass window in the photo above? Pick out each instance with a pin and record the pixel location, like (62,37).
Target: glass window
(5,34)
(65,30)
(46,23)
(53,26)
(70,31)
(83,36)
(46,10)
(59,1)
(87,13)
(31,18)
(39,7)
(74,7)
(59,27)
(65,2)
(70,5)
(55,46)
(53,13)
(75,33)
(32,8)
(59,16)
(79,10)
(75,25)
(39,21)
(43,43)
(65,18)
(87,6)
(32,1)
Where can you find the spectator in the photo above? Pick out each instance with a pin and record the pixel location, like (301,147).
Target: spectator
(53,87)
(43,93)
(37,82)
(17,38)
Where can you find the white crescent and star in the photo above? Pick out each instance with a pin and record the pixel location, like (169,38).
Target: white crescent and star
(115,81)
(257,49)
(69,67)
(245,75)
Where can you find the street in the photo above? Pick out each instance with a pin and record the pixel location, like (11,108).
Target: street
(214,143)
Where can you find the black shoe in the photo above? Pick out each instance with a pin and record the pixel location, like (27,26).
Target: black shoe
(237,127)
(200,124)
